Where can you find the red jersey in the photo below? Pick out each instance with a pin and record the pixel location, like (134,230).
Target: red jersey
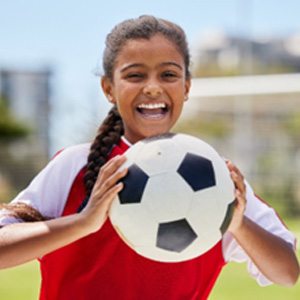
(102,266)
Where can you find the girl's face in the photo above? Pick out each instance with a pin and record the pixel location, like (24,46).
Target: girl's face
(149,86)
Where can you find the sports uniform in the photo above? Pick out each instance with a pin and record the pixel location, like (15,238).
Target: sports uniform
(102,266)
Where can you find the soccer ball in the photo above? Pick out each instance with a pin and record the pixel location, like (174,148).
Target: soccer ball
(177,199)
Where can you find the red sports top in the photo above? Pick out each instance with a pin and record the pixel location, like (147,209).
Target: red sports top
(102,266)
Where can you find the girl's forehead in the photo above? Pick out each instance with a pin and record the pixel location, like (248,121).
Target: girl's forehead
(155,40)
(158,47)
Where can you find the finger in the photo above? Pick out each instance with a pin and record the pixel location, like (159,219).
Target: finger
(110,167)
(113,191)
(231,165)
(239,195)
(102,185)
(241,200)
(114,163)
(112,180)
(238,181)
(236,175)
(110,195)
(236,170)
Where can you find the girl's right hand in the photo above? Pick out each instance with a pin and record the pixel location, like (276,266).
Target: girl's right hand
(22,242)
(104,192)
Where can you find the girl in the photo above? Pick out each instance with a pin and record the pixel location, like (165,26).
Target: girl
(147,79)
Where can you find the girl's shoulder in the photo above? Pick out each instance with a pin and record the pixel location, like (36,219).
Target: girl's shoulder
(72,153)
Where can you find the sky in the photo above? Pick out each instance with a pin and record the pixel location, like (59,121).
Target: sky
(68,37)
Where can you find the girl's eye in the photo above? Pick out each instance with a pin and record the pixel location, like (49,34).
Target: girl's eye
(134,76)
(169,75)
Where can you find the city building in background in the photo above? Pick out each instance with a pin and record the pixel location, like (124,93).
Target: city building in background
(217,53)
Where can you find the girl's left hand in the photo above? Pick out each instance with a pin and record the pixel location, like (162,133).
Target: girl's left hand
(240,197)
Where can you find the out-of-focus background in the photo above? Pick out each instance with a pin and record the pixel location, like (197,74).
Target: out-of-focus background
(245,99)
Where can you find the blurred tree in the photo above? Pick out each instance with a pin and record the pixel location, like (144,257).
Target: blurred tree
(292,125)
(11,131)
(10,128)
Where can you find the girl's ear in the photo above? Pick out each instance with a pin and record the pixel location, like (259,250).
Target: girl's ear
(187,87)
(107,88)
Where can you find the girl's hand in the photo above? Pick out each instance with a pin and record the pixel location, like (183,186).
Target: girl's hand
(105,190)
(273,256)
(240,197)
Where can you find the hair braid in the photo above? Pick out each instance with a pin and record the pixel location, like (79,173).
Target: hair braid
(108,135)
(23,211)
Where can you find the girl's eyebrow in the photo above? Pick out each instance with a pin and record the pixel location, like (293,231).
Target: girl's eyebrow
(130,66)
(172,64)
(134,65)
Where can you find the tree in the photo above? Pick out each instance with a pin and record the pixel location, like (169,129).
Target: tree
(10,128)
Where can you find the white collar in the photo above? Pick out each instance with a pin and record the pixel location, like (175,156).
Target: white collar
(123,138)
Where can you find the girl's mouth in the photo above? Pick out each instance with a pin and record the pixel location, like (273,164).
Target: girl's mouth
(153,111)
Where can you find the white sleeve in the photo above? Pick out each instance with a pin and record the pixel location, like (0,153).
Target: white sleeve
(6,219)
(266,217)
(49,190)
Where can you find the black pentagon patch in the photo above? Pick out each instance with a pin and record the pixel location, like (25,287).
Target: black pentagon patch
(175,236)
(197,171)
(134,185)
(154,138)
(228,217)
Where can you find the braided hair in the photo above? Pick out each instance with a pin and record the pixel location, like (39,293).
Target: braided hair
(108,135)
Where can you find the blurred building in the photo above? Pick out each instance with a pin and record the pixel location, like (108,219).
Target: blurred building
(27,94)
(219,54)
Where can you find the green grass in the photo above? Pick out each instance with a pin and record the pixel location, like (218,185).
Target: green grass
(22,283)
(236,284)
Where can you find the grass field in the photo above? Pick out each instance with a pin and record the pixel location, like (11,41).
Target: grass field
(22,283)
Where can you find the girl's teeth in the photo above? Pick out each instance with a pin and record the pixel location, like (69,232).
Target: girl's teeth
(152,106)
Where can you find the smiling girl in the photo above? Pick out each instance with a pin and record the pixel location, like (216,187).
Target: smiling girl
(61,217)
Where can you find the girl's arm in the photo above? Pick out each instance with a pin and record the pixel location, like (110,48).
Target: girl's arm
(22,242)
(274,257)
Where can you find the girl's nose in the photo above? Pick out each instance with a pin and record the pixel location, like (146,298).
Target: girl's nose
(152,90)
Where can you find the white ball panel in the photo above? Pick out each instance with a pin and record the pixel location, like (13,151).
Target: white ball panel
(167,196)
(205,212)
(194,145)
(131,220)
(159,156)
(158,254)
(224,182)
(133,151)
(205,242)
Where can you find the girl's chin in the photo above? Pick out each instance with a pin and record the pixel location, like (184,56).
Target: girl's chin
(153,117)
(155,133)
(143,135)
